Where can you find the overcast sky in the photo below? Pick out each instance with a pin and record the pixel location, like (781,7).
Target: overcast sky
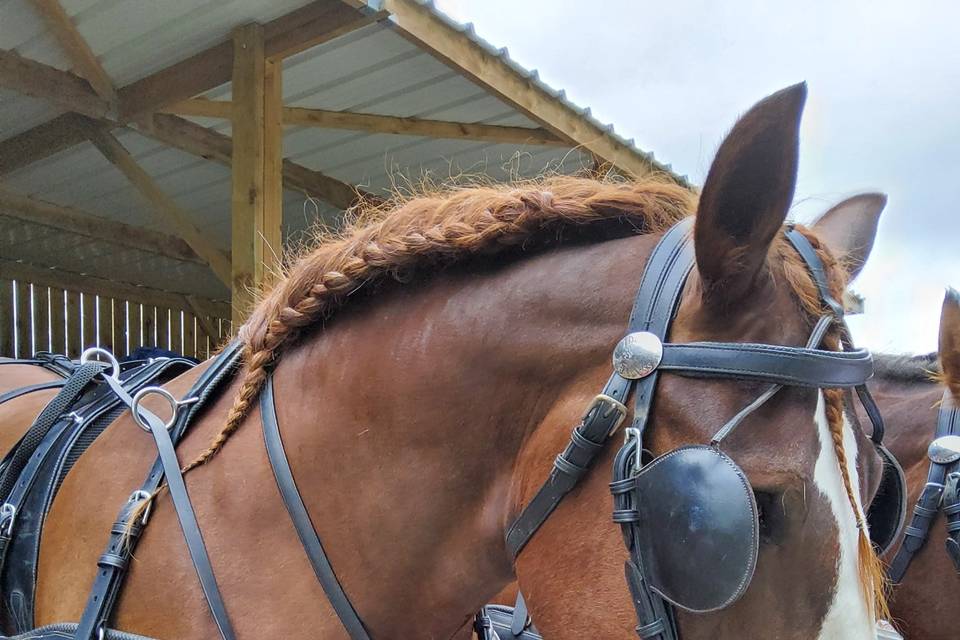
(883,111)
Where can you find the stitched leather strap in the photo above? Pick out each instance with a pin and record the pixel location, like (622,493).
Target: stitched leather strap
(794,366)
(929,503)
(125,534)
(301,519)
(22,391)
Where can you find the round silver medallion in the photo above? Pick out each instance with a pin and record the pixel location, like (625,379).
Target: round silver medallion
(945,449)
(637,355)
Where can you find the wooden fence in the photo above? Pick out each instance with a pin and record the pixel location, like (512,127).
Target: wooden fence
(42,316)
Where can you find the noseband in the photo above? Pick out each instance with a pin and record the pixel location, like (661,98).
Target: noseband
(679,509)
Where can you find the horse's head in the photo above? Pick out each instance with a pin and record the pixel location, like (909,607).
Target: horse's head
(814,575)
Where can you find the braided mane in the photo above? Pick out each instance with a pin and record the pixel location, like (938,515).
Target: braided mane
(412,236)
(409,237)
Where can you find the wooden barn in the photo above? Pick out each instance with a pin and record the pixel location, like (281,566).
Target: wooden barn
(155,155)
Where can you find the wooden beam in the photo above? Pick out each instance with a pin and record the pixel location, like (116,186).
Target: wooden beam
(36,211)
(420,24)
(213,67)
(207,143)
(44,82)
(312,25)
(305,27)
(374,123)
(167,210)
(257,205)
(114,287)
(41,142)
(81,55)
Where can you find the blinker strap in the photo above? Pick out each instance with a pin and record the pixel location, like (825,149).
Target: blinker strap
(794,366)
(586,442)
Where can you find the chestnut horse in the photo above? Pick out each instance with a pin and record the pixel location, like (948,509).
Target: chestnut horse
(428,367)
(925,602)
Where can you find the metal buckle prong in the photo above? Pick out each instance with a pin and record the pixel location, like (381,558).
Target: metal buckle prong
(139,496)
(607,404)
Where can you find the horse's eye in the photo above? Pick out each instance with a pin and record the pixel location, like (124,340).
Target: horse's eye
(773,521)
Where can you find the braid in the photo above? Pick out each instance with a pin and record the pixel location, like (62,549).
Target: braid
(873,579)
(433,230)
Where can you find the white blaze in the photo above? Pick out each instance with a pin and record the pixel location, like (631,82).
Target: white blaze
(848,617)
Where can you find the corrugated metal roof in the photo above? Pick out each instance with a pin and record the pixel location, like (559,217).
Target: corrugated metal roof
(371,70)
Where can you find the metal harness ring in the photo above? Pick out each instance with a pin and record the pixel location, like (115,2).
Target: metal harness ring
(140,416)
(87,356)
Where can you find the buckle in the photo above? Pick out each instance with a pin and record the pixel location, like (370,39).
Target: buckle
(604,405)
(7,514)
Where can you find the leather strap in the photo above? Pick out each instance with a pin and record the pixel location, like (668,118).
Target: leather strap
(22,391)
(794,366)
(520,616)
(929,504)
(301,519)
(188,521)
(124,535)
(659,282)
(818,272)
(71,391)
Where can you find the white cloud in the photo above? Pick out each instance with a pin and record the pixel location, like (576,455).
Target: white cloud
(882,114)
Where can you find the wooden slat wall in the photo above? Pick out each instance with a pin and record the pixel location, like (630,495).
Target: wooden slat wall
(6,317)
(47,318)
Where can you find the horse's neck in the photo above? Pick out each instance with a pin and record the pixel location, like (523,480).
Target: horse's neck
(910,412)
(409,415)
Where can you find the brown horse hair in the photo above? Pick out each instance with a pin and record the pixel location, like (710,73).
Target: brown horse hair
(410,235)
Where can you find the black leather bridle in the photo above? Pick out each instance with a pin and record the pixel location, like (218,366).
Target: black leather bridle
(655,306)
(638,360)
(940,493)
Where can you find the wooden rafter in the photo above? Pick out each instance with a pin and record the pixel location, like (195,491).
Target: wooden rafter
(36,211)
(44,82)
(308,26)
(374,123)
(305,27)
(418,23)
(84,61)
(212,145)
(43,141)
(166,209)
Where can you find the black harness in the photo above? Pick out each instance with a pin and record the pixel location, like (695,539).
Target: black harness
(940,493)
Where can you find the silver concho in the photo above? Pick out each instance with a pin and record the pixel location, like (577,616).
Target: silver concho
(945,449)
(637,355)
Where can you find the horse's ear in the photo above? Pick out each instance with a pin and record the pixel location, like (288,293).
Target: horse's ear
(747,194)
(950,341)
(850,228)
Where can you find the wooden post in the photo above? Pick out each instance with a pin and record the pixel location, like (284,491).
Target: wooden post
(257,165)
(88,313)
